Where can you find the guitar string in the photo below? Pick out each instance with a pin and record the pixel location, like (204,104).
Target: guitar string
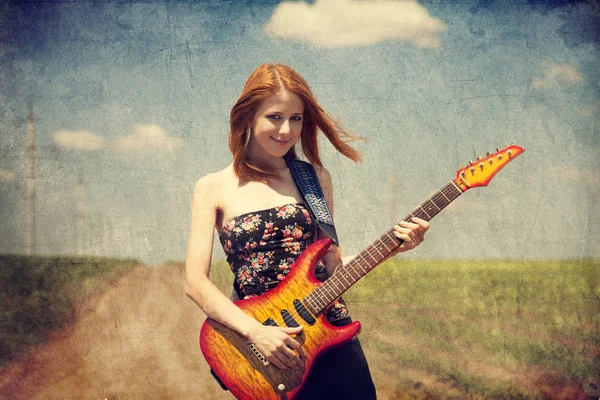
(294,314)
(349,269)
(316,296)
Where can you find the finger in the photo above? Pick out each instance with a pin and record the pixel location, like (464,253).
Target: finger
(405,234)
(422,223)
(293,358)
(293,331)
(274,359)
(423,227)
(411,226)
(417,229)
(408,242)
(416,234)
(285,359)
(294,345)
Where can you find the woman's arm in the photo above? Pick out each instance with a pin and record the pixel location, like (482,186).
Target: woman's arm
(275,343)
(412,233)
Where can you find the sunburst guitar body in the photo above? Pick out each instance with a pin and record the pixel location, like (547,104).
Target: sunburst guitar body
(241,368)
(301,299)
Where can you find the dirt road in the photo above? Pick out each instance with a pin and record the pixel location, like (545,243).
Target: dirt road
(138,340)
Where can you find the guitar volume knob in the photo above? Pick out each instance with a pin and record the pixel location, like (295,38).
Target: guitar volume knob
(281,387)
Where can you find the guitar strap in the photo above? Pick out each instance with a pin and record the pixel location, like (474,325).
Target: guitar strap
(306,179)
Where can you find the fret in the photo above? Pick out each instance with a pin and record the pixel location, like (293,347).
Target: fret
(449,193)
(384,245)
(442,193)
(368,250)
(428,216)
(317,299)
(351,269)
(346,279)
(392,238)
(418,214)
(439,201)
(348,274)
(309,305)
(364,258)
(456,186)
(327,289)
(377,250)
(433,202)
(334,282)
(431,208)
(322,295)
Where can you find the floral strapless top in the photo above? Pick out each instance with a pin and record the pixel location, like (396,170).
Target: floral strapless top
(262,246)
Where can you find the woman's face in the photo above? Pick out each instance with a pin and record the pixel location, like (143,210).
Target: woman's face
(276,126)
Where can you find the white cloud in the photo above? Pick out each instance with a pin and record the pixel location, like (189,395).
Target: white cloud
(6,176)
(79,140)
(147,137)
(342,23)
(554,73)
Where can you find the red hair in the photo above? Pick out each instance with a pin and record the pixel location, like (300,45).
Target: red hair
(265,81)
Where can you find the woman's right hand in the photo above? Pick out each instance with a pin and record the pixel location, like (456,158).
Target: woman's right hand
(278,346)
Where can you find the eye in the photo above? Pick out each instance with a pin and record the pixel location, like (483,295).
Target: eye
(274,116)
(296,118)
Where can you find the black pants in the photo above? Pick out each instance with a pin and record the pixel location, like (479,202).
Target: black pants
(341,373)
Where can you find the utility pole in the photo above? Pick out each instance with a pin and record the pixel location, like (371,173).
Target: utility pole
(31,184)
(99,241)
(80,214)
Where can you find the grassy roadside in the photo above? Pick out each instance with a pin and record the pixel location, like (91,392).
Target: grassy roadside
(478,329)
(41,294)
(491,329)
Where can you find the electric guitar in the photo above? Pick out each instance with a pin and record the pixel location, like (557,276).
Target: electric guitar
(301,299)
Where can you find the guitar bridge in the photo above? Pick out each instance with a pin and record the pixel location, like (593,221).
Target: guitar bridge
(258,354)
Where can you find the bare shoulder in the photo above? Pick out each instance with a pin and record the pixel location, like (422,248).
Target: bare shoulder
(210,187)
(323,175)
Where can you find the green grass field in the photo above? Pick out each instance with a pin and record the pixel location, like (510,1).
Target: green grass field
(478,329)
(431,329)
(41,294)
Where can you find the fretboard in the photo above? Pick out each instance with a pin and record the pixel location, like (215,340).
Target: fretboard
(348,274)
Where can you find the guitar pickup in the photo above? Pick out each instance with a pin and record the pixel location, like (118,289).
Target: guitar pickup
(258,354)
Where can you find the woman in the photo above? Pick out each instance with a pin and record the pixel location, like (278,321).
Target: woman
(263,225)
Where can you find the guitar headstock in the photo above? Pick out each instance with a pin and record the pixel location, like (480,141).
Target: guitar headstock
(481,172)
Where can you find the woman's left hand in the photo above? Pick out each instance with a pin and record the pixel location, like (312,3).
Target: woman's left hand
(412,233)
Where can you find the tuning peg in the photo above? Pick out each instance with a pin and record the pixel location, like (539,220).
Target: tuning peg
(462,166)
(499,156)
(479,158)
(489,153)
(472,170)
(481,166)
(470,162)
(491,161)
(497,149)
(509,154)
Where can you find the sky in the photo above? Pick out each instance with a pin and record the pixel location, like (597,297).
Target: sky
(131,103)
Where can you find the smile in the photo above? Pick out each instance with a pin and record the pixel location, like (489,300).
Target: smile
(281,142)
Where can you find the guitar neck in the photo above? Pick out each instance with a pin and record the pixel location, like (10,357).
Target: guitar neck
(365,261)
